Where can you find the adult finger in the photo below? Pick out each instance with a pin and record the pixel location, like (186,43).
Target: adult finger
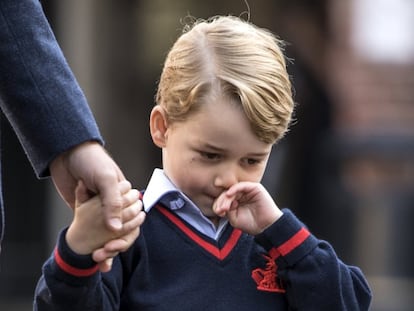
(107,184)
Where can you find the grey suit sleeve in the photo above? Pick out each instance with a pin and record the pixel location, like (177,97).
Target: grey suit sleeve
(38,92)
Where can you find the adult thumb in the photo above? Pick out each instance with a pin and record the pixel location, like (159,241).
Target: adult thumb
(81,193)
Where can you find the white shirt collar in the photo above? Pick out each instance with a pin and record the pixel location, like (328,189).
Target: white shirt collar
(158,186)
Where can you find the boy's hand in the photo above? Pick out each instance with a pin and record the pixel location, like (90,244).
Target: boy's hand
(248,206)
(88,231)
(130,232)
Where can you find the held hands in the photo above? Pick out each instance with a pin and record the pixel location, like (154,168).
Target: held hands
(90,163)
(88,233)
(248,207)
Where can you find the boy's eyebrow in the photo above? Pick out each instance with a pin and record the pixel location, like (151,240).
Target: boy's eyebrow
(212,147)
(219,149)
(258,154)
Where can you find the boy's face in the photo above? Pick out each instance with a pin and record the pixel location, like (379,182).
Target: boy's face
(211,151)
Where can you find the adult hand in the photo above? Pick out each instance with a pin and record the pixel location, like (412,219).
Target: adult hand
(90,163)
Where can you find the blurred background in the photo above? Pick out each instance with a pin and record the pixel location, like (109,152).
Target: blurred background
(346,168)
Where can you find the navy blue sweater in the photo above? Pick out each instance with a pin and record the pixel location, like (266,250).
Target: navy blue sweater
(171,266)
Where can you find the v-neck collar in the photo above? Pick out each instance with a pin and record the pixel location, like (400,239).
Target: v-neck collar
(209,245)
(161,189)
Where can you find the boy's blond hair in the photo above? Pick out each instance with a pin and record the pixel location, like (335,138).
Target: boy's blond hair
(226,56)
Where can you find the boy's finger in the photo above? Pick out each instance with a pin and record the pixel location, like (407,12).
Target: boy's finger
(102,254)
(113,247)
(222,205)
(124,186)
(131,211)
(134,223)
(106,265)
(131,197)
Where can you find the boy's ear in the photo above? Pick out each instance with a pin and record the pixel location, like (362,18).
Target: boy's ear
(158,126)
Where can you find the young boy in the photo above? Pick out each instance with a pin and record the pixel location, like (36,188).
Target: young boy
(213,238)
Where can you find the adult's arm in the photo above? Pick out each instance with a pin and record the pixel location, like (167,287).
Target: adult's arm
(38,92)
(48,110)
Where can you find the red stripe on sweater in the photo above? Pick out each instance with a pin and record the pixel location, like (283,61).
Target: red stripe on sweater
(212,249)
(73,270)
(297,239)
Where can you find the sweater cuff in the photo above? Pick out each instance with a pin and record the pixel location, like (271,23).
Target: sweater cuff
(287,240)
(69,262)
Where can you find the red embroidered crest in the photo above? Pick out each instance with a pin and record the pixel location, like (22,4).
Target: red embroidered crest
(267,279)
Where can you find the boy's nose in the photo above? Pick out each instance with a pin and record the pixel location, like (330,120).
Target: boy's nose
(226,178)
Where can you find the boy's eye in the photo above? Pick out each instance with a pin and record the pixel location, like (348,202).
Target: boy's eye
(209,155)
(251,161)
